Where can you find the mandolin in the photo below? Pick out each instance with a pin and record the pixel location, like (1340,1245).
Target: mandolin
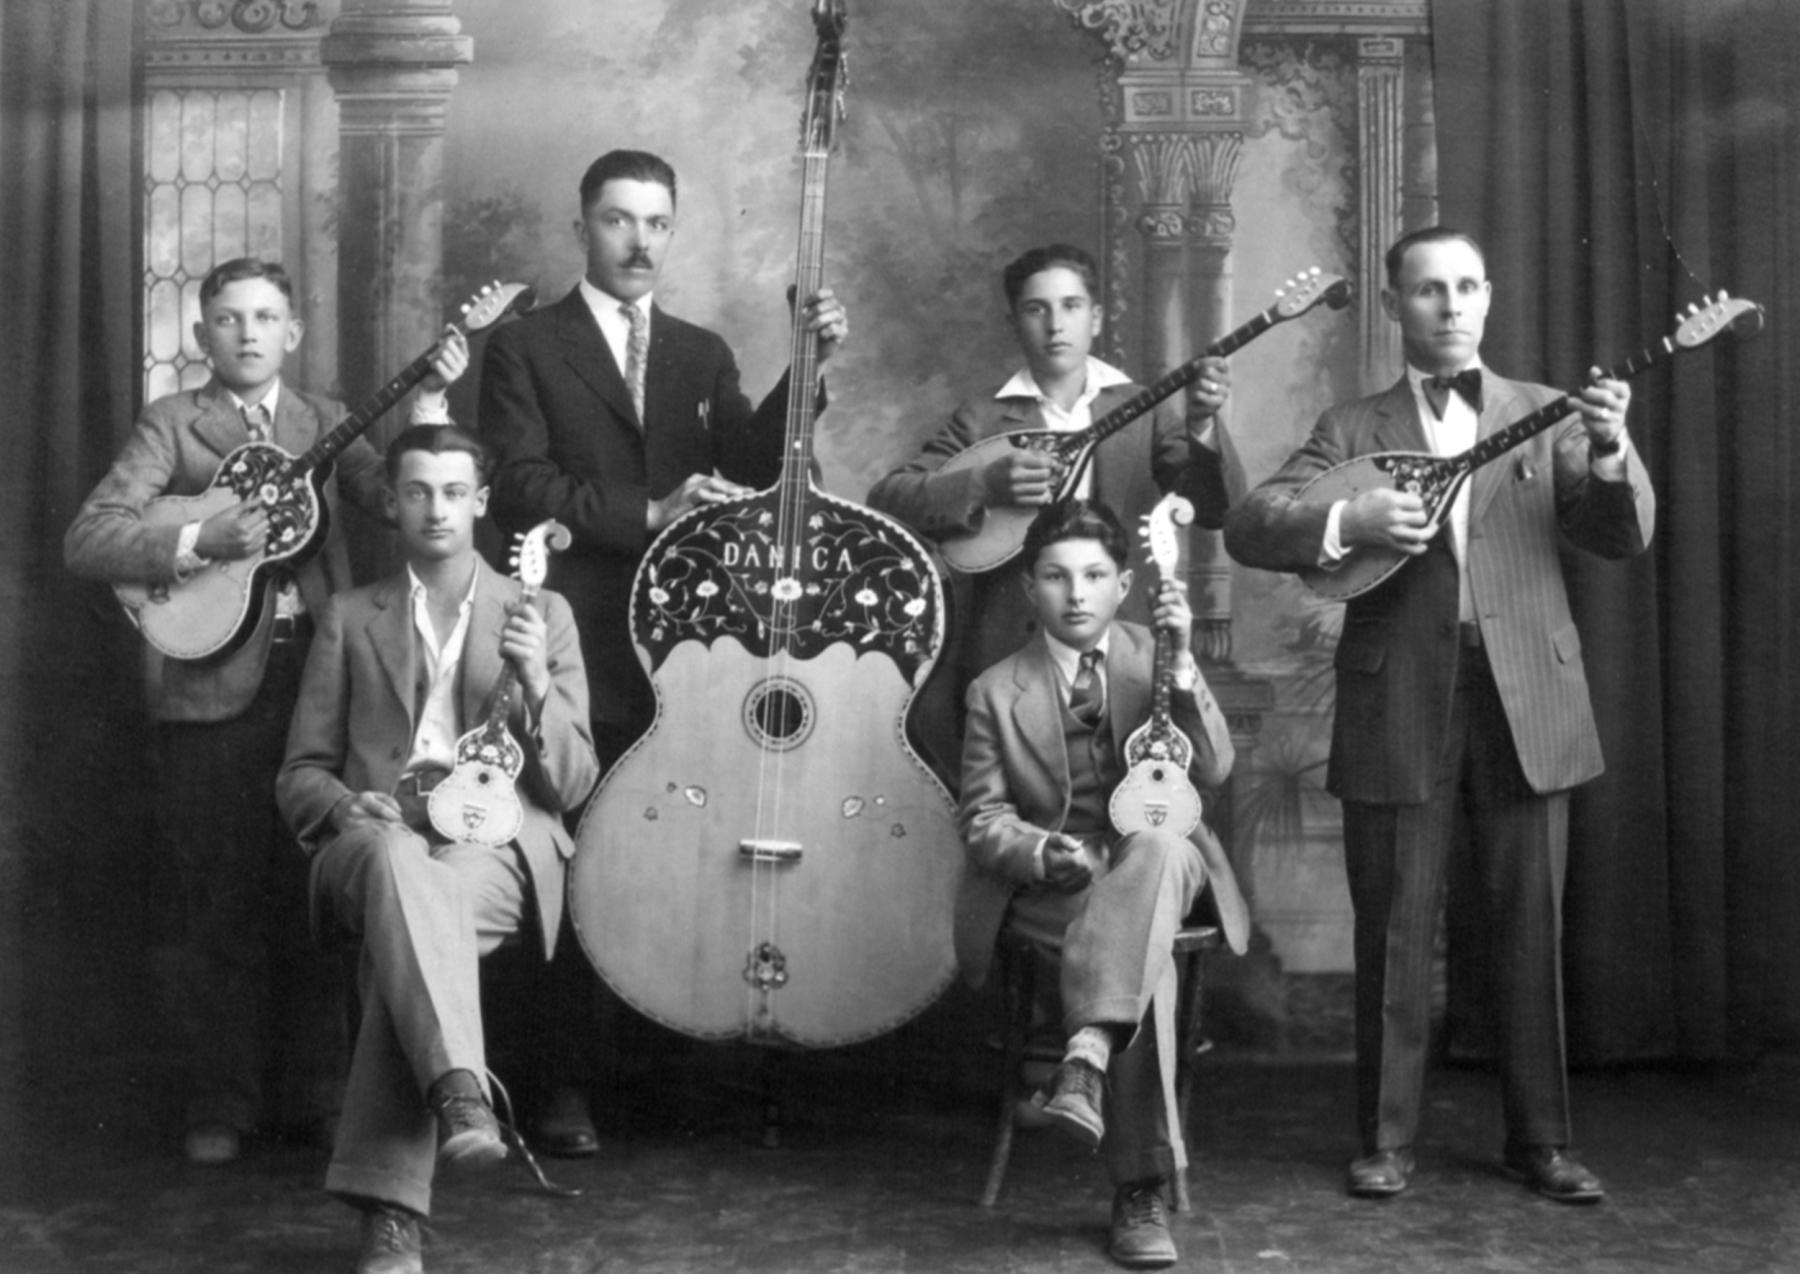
(478,800)
(215,609)
(1002,531)
(772,861)
(1437,479)
(1156,791)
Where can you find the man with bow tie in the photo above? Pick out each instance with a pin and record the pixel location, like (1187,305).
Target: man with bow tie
(1463,717)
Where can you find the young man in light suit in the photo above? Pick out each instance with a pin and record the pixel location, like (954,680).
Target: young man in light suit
(1461,697)
(248,985)
(400,670)
(1041,758)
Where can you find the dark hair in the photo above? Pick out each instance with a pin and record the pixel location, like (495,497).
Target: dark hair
(240,268)
(1396,255)
(1037,260)
(1075,520)
(439,440)
(626,165)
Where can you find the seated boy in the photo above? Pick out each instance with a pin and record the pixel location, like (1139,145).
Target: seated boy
(1041,757)
(399,671)
(248,986)
(1054,313)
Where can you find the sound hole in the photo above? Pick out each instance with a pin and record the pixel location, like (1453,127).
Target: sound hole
(778,714)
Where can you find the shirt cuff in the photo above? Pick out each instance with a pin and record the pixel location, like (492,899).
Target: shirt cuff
(431,407)
(1611,468)
(1205,432)
(1187,672)
(187,561)
(1331,548)
(1037,858)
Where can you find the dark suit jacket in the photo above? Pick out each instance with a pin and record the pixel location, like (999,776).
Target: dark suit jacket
(353,728)
(1132,469)
(1016,787)
(175,449)
(1396,660)
(555,406)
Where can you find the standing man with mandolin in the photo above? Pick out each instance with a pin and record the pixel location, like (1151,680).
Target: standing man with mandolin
(248,985)
(1052,307)
(400,668)
(1461,697)
(615,417)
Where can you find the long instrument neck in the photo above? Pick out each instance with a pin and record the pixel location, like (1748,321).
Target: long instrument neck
(326,449)
(1501,441)
(1170,382)
(498,705)
(1162,676)
(803,375)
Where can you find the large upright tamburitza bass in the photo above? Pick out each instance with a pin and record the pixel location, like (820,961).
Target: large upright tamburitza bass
(772,861)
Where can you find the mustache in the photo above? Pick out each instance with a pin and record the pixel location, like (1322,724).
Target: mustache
(639,260)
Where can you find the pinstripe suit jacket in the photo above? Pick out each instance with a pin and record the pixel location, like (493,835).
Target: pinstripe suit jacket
(1396,660)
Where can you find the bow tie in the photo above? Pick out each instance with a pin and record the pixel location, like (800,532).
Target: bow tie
(1467,382)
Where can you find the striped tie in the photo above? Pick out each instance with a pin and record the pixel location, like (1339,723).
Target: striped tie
(637,354)
(256,421)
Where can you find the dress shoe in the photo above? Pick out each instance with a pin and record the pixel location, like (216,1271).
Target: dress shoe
(468,1133)
(564,1128)
(1140,1236)
(390,1242)
(1554,1173)
(1076,1101)
(1381,1175)
(212,1144)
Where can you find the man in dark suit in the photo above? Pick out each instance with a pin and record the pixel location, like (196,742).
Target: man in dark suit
(1461,698)
(1040,761)
(400,669)
(615,417)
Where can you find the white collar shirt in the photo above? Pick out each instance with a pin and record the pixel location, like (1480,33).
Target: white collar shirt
(614,326)
(434,741)
(1079,416)
(1455,433)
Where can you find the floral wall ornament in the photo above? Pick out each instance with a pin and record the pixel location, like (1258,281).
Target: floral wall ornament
(1131,28)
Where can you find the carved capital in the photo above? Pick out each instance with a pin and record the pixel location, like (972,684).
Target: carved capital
(1162,225)
(1214,166)
(1132,29)
(1164,163)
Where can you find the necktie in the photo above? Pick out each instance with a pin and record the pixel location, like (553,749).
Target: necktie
(637,354)
(1467,382)
(1087,696)
(256,421)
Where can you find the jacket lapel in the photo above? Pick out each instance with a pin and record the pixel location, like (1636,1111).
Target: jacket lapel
(390,632)
(481,660)
(1127,683)
(1036,716)
(219,426)
(1397,423)
(590,357)
(1499,408)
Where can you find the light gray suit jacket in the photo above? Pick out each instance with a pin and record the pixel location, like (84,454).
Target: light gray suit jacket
(1396,660)
(353,728)
(1016,787)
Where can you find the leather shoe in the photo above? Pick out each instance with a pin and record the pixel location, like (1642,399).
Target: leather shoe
(211,1145)
(1140,1236)
(1381,1175)
(390,1242)
(1554,1173)
(564,1128)
(1076,1101)
(468,1133)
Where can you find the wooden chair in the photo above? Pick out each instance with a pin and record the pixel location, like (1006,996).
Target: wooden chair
(1017,967)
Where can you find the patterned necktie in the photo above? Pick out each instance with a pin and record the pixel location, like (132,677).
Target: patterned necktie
(256,421)
(1467,382)
(637,354)
(1087,696)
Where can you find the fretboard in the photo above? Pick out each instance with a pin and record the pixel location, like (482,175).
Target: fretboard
(803,375)
(326,449)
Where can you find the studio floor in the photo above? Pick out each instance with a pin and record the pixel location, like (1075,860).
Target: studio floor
(881,1160)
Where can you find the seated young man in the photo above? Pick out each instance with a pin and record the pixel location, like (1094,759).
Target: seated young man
(1041,757)
(398,671)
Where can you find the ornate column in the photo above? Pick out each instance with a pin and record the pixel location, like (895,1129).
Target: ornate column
(393,66)
(1380,93)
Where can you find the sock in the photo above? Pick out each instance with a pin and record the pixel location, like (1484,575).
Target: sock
(456,1083)
(1091,1044)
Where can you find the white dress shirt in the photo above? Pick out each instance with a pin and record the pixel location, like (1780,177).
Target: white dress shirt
(614,326)
(434,742)
(1079,416)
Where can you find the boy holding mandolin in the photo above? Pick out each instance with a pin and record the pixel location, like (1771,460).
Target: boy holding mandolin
(1041,758)
(247,985)
(1054,313)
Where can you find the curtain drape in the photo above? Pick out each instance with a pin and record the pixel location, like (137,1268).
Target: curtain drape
(1620,159)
